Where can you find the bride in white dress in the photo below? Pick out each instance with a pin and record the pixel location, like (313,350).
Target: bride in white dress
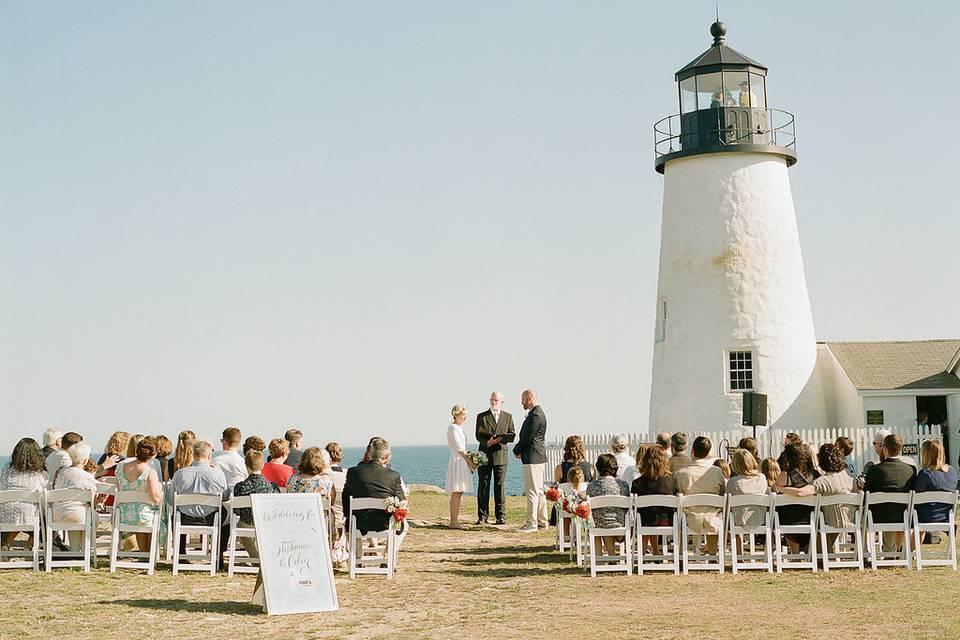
(459,468)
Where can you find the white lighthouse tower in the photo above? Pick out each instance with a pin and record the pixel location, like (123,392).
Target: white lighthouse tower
(732,308)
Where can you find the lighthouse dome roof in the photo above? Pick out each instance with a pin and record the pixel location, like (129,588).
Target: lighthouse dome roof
(719,57)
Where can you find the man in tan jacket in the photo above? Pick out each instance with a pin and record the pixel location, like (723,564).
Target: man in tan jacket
(700,476)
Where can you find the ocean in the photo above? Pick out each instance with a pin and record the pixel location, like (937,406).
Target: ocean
(417,465)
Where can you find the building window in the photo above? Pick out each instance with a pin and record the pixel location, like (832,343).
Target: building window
(741,371)
(874,417)
(660,334)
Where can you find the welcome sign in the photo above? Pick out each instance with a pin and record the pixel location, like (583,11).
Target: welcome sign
(294,553)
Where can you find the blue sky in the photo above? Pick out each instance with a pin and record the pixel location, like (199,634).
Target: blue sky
(348,218)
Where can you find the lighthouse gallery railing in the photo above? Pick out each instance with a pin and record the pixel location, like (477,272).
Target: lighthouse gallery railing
(729,129)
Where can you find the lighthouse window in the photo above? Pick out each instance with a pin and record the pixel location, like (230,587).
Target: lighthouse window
(741,371)
(759,89)
(710,91)
(688,95)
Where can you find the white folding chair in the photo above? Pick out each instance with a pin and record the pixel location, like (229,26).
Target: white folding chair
(9,558)
(246,564)
(209,534)
(875,530)
(331,523)
(378,556)
(620,561)
(54,557)
(702,561)
(106,487)
(669,535)
(801,560)
(847,547)
(745,535)
(949,528)
(564,540)
(133,559)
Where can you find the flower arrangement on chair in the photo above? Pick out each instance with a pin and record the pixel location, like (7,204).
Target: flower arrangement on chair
(396,507)
(578,507)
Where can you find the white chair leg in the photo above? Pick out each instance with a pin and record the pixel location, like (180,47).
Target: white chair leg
(48,548)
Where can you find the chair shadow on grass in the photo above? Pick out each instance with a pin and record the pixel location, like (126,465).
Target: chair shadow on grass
(179,604)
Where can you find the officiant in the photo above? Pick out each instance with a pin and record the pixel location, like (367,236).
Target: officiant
(494,430)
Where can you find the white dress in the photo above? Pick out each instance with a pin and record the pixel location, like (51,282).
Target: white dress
(459,477)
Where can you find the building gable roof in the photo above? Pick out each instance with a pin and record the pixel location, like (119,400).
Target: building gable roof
(919,364)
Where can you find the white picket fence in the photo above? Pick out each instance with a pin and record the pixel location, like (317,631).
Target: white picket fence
(769,441)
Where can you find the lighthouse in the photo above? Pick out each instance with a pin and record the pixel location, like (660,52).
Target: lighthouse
(732,311)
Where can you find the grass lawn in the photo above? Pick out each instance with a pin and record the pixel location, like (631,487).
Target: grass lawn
(492,583)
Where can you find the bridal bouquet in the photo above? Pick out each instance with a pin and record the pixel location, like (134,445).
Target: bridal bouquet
(396,507)
(478,458)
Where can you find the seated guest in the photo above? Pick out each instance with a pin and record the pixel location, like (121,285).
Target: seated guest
(52,439)
(750,444)
(891,475)
(253,443)
(608,484)
(164,450)
(574,455)
(846,447)
(724,467)
(114,452)
(313,475)
(834,481)
(183,456)
(229,461)
(878,437)
(746,481)
(618,445)
(680,458)
(576,480)
(663,441)
(275,470)
(372,479)
(294,438)
(770,470)
(797,472)
(74,477)
(655,478)
(139,475)
(25,472)
(633,472)
(60,457)
(201,478)
(253,483)
(339,475)
(935,475)
(704,478)
(788,439)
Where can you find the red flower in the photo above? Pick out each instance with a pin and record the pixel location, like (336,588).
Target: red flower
(553,494)
(399,514)
(583,510)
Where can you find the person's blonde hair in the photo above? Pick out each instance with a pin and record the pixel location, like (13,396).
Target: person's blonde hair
(279,448)
(458,410)
(132,444)
(164,446)
(770,468)
(183,457)
(743,463)
(117,444)
(932,456)
(724,467)
(575,476)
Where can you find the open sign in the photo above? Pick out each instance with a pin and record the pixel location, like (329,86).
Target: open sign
(910,449)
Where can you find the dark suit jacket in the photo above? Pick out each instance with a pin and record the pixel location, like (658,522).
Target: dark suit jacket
(487,428)
(370,480)
(891,476)
(531,444)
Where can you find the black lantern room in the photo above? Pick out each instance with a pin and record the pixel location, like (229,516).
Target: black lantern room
(723,108)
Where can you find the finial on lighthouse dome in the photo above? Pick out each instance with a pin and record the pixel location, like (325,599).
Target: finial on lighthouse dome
(719,31)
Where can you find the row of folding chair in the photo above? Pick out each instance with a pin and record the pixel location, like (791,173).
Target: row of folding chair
(828,546)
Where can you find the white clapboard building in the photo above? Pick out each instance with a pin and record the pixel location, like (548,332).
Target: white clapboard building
(732,310)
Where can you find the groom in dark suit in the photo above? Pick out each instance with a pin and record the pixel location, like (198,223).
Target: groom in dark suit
(494,429)
(531,448)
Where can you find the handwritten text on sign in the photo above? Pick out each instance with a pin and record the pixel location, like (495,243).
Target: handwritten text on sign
(294,553)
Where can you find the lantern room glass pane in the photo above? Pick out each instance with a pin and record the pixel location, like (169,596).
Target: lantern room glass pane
(688,95)
(737,86)
(759,89)
(710,91)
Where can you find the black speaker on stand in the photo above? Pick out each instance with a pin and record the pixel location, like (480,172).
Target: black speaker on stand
(754,410)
